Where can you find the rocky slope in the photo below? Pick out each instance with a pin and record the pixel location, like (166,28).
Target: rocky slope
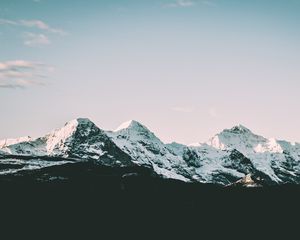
(225,159)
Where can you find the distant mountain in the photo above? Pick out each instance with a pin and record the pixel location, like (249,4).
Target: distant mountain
(11,141)
(277,159)
(79,139)
(225,159)
(145,148)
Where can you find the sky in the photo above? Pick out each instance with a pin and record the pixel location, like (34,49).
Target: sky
(186,69)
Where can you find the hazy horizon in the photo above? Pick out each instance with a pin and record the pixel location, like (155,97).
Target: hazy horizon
(187,69)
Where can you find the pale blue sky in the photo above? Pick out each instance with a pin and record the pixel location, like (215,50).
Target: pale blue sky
(186,69)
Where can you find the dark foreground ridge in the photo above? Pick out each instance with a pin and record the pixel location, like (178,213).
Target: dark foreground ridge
(85,198)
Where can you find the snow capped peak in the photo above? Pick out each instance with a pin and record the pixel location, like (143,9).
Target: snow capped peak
(79,121)
(233,153)
(70,127)
(230,138)
(124,125)
(135,131)
(145,148)
(239,138)
(238,129)
(59,136)
(57,139)
(131,124)
(245,141)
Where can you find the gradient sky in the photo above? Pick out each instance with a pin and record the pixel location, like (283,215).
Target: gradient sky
(186,69)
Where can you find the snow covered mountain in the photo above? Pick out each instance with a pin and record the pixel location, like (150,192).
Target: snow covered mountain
(280,160)
(79,138)
(145,148)
(225,159)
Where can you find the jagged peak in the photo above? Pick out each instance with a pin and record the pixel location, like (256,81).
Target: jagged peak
(131,124)
(70,127)
(79,121)
(238,129)
(73,124)
(238,137)
(61,135)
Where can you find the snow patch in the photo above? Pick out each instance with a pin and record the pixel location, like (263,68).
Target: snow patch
(11,141)
(125,125)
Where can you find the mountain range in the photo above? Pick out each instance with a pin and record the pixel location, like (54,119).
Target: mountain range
(232,157)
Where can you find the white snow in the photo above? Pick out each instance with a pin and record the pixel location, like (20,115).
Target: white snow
(125,125)
(268,155)
(11,141)
(270,145)
(169,173)
(32,164)
(176,148)
(59,136)
(261,151)
(145,148)
(212,161)
(56,143)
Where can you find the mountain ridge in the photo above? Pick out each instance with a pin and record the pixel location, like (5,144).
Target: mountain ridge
(227,157)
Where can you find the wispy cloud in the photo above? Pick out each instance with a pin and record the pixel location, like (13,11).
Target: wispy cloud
(22,74)
(41,25)
(8,22)
(33,39)
(39,37)
(189,3)
(37,24)
(181,3)
(183,109)
(15,65)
